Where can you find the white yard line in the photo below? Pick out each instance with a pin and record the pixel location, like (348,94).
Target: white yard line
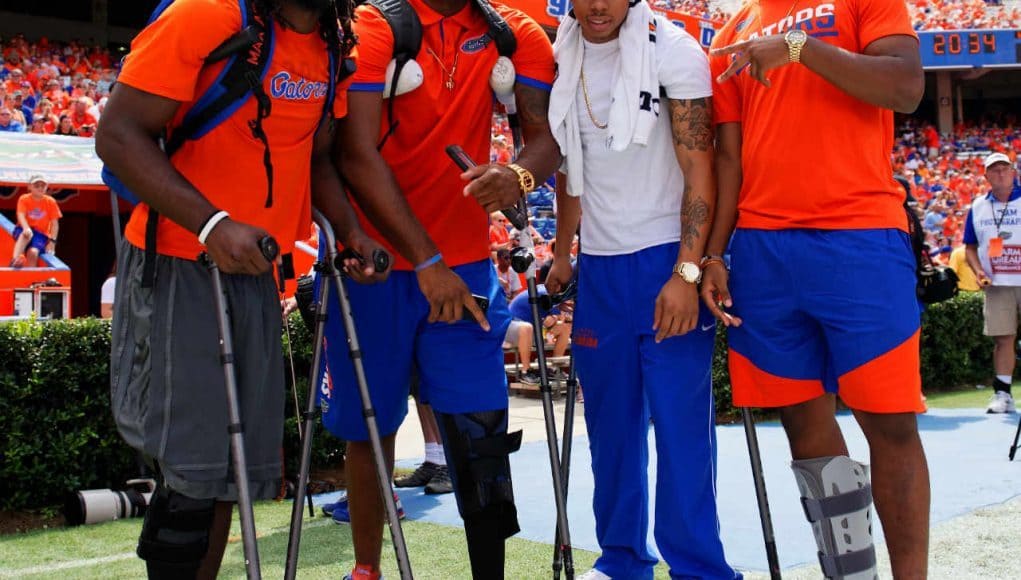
(71,564)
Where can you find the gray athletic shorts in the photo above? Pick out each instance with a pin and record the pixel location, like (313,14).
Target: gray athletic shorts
(167,382)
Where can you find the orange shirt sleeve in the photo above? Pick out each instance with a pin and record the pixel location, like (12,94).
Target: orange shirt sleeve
(726,96)
(533,59)
(23,203)
(375,49)
(167,56)
(879,18)
(340,93)
(53,209)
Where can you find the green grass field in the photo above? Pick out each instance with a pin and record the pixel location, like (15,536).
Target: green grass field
(107,550)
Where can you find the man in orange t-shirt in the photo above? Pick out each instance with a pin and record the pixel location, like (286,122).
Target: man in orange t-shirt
(215,195)
(38,223)
(414,196)
(804,101)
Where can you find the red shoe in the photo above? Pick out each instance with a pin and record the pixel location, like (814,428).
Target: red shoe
(19,262)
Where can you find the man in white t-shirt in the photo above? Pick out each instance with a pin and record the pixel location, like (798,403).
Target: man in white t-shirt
(643,342)
(992,238)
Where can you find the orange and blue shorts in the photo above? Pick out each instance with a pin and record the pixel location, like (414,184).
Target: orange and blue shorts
(825,311)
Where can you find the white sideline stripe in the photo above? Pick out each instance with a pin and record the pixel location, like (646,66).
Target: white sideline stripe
(65,565)
(19,572)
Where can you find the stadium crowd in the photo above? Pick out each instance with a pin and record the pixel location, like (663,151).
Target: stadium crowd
(946,173)
(52,87)
(701,8)
(962,14)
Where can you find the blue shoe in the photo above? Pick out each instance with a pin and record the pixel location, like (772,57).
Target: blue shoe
(328,508)
(341,514)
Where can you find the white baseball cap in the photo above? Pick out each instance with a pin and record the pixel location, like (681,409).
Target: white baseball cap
(994,159)
(37,178)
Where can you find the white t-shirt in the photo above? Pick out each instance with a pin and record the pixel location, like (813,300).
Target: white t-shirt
(107,291)
(632,198)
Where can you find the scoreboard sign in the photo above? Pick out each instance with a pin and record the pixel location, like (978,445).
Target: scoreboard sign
(971,48)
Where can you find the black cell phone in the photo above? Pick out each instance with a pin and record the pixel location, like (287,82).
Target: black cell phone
(483,304)
(459,157)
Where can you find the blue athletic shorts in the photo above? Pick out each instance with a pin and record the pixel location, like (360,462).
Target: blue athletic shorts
(460,366)
(38,242)
(825,311)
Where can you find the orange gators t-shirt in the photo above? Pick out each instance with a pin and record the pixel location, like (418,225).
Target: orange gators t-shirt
(812,155)
(40,212)
(166,59)
(432,117)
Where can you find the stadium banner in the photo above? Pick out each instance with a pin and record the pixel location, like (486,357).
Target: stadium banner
(69,162)
(549,13)
(970,49)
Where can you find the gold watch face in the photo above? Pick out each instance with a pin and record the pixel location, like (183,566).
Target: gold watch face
(796,37)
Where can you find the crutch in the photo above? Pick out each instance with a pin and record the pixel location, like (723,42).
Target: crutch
(331,268)
(565,459)
(270,250)
(760,494)
(1017,434)
(523,262)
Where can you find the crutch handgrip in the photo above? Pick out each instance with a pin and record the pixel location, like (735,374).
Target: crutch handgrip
(270,248)
(380,259)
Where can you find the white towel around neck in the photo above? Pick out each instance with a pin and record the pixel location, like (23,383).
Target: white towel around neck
(628,124)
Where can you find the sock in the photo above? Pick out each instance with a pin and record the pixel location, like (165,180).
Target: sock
(434,454)
(1003,383)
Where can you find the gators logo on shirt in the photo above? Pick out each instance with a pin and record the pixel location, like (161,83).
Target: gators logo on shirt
(283,86)
(477,44)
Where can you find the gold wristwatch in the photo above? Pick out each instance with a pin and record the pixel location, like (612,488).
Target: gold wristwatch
(690,272)
(526,181)
(795,40)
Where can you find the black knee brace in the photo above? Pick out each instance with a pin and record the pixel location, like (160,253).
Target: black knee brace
(478,448)
(175,534)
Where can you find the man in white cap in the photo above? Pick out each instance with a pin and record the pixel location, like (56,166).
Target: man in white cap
(992,237)
(38,224)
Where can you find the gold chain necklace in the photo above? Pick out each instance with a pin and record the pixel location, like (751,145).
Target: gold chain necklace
(450,73)
(758,16)
(588,103)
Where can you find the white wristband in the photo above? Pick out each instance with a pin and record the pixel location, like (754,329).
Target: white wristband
(210,224)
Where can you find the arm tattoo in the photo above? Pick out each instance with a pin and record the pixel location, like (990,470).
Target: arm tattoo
(692,123)
(533,105)
(694,215)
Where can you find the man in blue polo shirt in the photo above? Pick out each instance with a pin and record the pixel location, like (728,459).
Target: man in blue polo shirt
(992,238)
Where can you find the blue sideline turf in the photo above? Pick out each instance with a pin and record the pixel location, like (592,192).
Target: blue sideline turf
(967,452)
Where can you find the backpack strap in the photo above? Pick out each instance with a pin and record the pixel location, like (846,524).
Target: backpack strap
(248,52)
(499,30)
(407,32)
(242,76)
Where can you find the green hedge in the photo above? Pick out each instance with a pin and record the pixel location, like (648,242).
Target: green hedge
(57,435)
(56,431)
(954,350)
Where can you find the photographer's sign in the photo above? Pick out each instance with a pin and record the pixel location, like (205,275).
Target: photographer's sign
(65,161)
(1009,262)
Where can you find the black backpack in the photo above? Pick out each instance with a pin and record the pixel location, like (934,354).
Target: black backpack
(407,33)
(935,283)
